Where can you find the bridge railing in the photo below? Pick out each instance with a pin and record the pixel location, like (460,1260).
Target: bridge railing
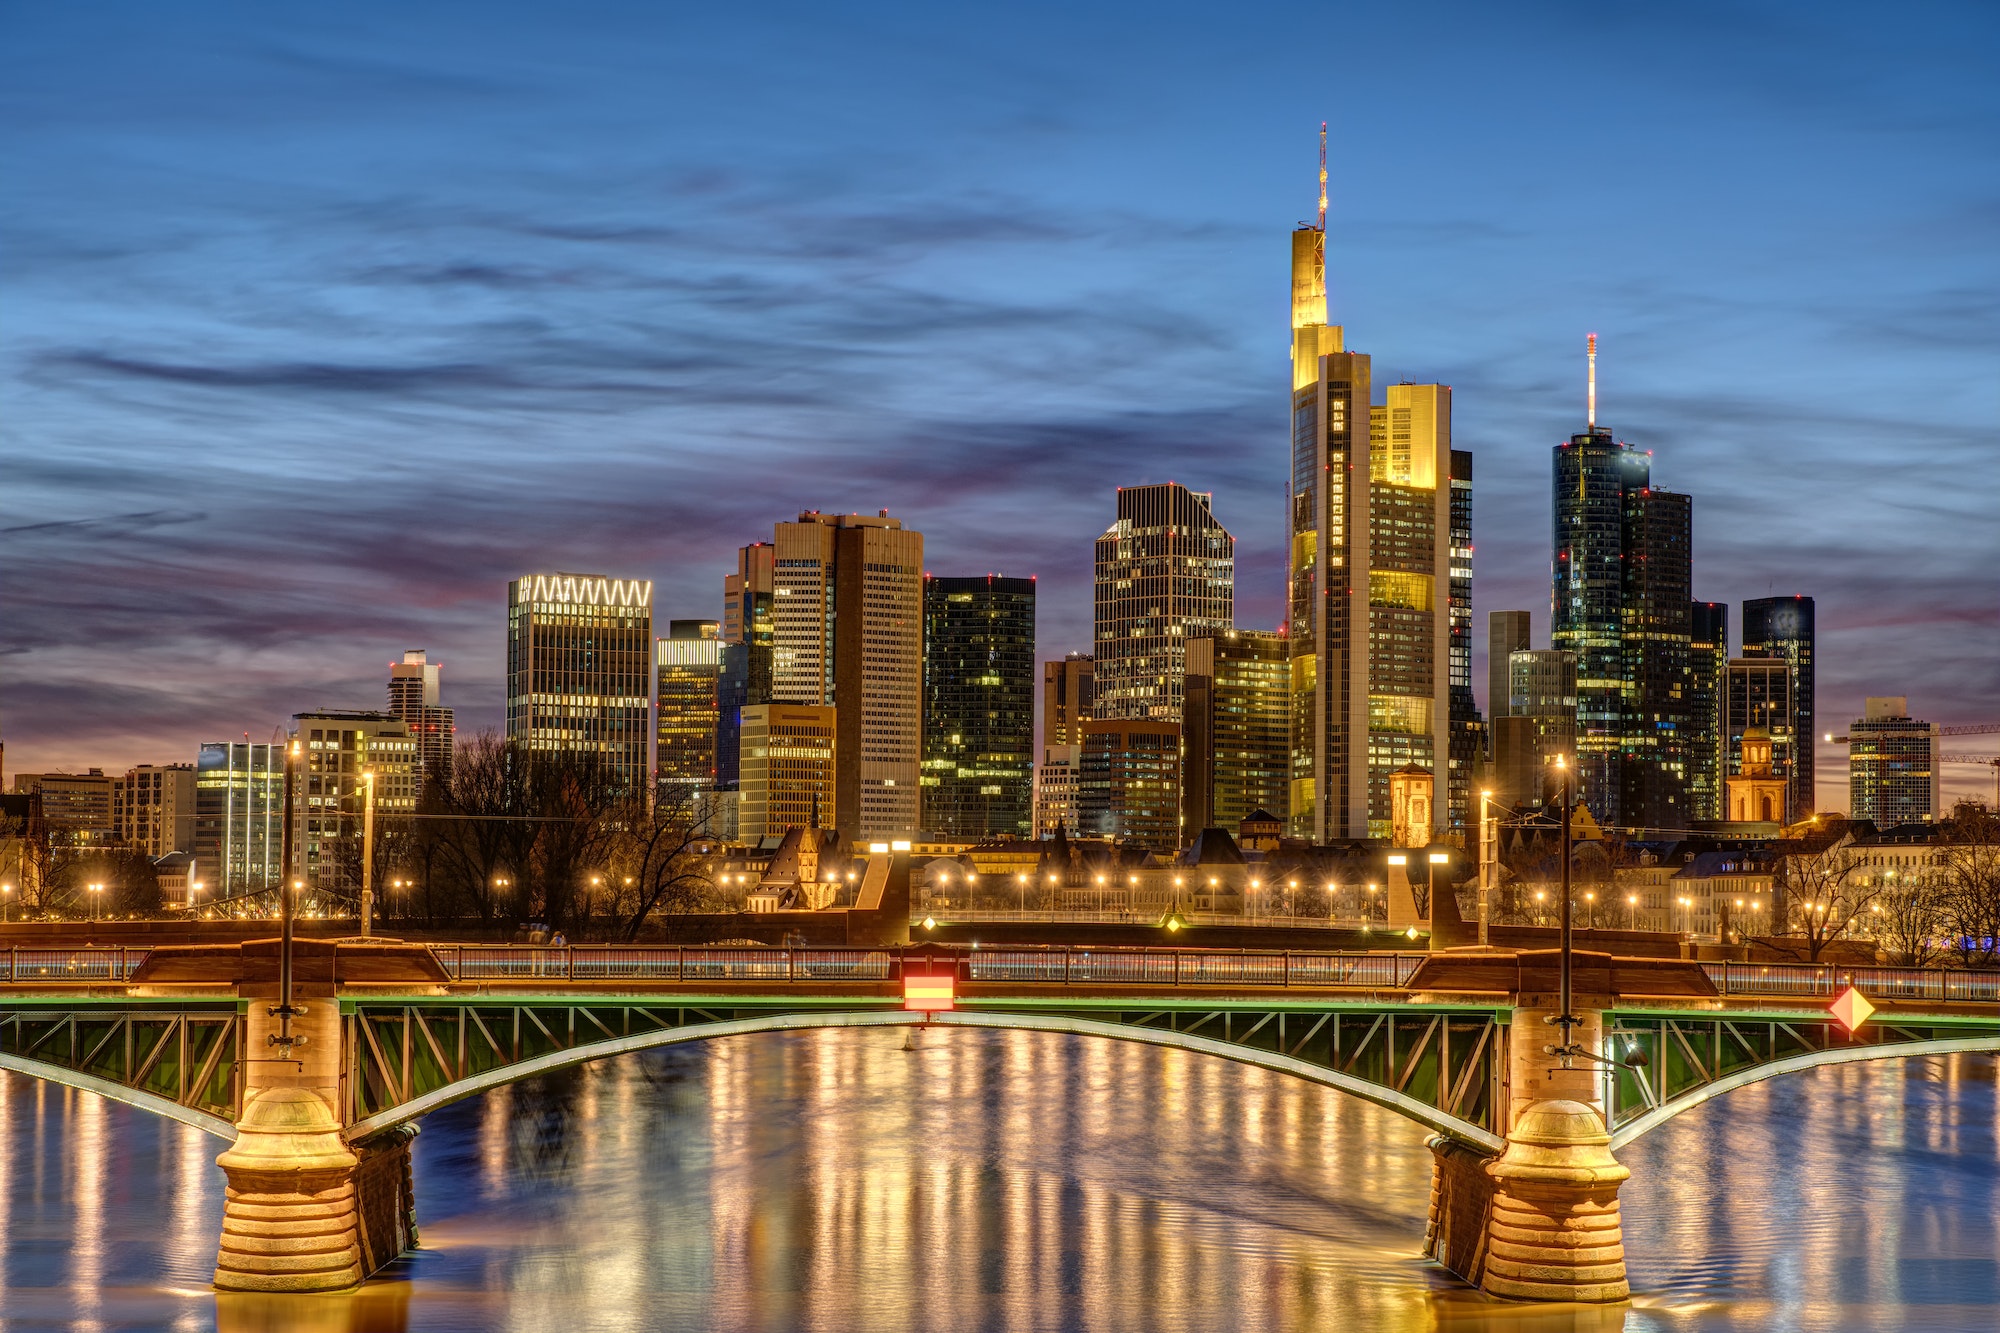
(90,963)
(1825,980)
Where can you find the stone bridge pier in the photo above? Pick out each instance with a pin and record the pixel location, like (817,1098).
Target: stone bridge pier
(305,1211)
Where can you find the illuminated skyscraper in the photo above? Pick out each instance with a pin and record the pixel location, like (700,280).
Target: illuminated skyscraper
(1166,572)
(1892,769)
(789,754)
(748,637)
(239,791)
(1237,722)
(579,670)
(1708,665)
(1468,732)
(979,706)
(1782,627)
(1623,571)
(1067,699)
(687,670)
(848,631)
(414,687)
(1128,782)
(1757,698)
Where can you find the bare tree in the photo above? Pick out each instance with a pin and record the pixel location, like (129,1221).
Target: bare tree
(1820,893)
(1966,870)
(1909,919)
(667,859)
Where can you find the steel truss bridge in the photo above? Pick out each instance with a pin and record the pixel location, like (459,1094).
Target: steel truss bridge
(1373,1024)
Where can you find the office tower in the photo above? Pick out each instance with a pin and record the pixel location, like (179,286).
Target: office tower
(579,659)
(1782,627)
(152,809)
(414,685)
(1893,776)
(1128,782)
(1623,569)
(847,631)
(1708,666)
(1166,572)
(1067,699)
(1654,638)
(239,805)
(1468,729)
(1757,696)
(337,751)
(687,668)
(788,769)
(76,807)
(1507,632)
(979,707)
(1055,790)
(1237,723)
(1538,727)
(748,639)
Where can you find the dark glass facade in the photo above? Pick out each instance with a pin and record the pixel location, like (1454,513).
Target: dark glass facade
(1128,783)
(579,670)
(978,771)
(1782,627)
(1654,642)
(1708,663)
(1238,727)
(1467,733)
(1166,571)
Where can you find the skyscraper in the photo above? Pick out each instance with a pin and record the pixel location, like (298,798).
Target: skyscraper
(748,638)
(687,673)
(1507,632)
(789,753)
(1623,569)
(579,670)
(414,688)
(1892,769)
(1370,533)
(1782,627)
(1468,732)
(239,791)
(1128,782)
(1757,697)
(1237,722)
(1067,699)
(1708,666)
(847,631)
(979,706)
(1166,571)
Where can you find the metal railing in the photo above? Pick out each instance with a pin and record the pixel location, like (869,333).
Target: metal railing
(1825,980)
(90,963)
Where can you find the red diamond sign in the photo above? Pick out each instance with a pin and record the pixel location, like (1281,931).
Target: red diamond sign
(1852,1008)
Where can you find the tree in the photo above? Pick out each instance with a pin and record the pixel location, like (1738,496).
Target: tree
(1909,920)
(1966,871)
(667,858)
(1820,893)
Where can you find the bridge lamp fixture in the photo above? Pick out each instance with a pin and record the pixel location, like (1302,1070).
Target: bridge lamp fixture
(1100,881)
(929,923)
(1439,858)
(1398,859)
(1173,921)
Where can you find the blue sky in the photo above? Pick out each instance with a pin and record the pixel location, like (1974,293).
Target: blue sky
(317,325)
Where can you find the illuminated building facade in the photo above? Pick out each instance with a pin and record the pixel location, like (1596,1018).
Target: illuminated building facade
(414,689)
(1055,790)
(788,761)
(1237,721)
(1165,572)
(1468,731)
(76,808)
(1371,538)
(239,804)
(1757,697)
(579,670)
(1128,782)
(687,667)
(979,707)
(848,631)
(1708,669)
(329,797)
(1782,628)
(748,638)
(152,809)
(1893,776)
(1655,639)
(1068,696)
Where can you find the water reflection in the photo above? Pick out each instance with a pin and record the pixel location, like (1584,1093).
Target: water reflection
(1033,1181)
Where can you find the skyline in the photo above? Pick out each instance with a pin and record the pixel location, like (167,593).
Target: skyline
(983,319)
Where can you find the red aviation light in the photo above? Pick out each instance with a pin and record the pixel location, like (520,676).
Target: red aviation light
(928,993)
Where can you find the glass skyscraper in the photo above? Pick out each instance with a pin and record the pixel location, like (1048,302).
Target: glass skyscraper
(687,675)
(978,771)
(579,670)
(1238,729)
(1782,627)
(1708,664)
(1166,572)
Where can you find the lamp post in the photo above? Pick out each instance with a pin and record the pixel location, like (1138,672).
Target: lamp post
(1566,1020)
(95,901)
(367,850)
(1489,861)
(6,900)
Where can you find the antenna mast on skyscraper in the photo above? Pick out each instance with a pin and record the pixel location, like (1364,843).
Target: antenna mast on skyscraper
(1322,176)
(1593,382)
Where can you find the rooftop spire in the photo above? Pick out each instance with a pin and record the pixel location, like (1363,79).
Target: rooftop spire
(1593,381)
(1322,176)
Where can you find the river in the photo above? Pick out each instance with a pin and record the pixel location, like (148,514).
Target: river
(831,1180)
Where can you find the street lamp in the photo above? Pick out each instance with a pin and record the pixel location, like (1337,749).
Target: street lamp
(1021,880)
(6,900)
(95,889)
(367,851)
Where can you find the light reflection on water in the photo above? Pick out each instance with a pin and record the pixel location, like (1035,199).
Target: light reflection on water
(994,1180)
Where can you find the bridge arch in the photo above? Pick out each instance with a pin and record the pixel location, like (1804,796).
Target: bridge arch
(1838,1055)
(1388,1098)
(119,1092)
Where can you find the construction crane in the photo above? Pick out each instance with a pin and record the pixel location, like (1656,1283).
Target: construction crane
(1990,760)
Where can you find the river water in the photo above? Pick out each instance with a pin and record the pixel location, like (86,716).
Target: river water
(831,1180)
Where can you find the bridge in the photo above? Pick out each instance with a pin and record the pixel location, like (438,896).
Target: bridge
(1524,1197)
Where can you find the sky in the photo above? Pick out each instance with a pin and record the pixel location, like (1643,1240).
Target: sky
(320,323)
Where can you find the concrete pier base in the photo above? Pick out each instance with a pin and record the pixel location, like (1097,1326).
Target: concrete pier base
(289,1221)
(1554,1232)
